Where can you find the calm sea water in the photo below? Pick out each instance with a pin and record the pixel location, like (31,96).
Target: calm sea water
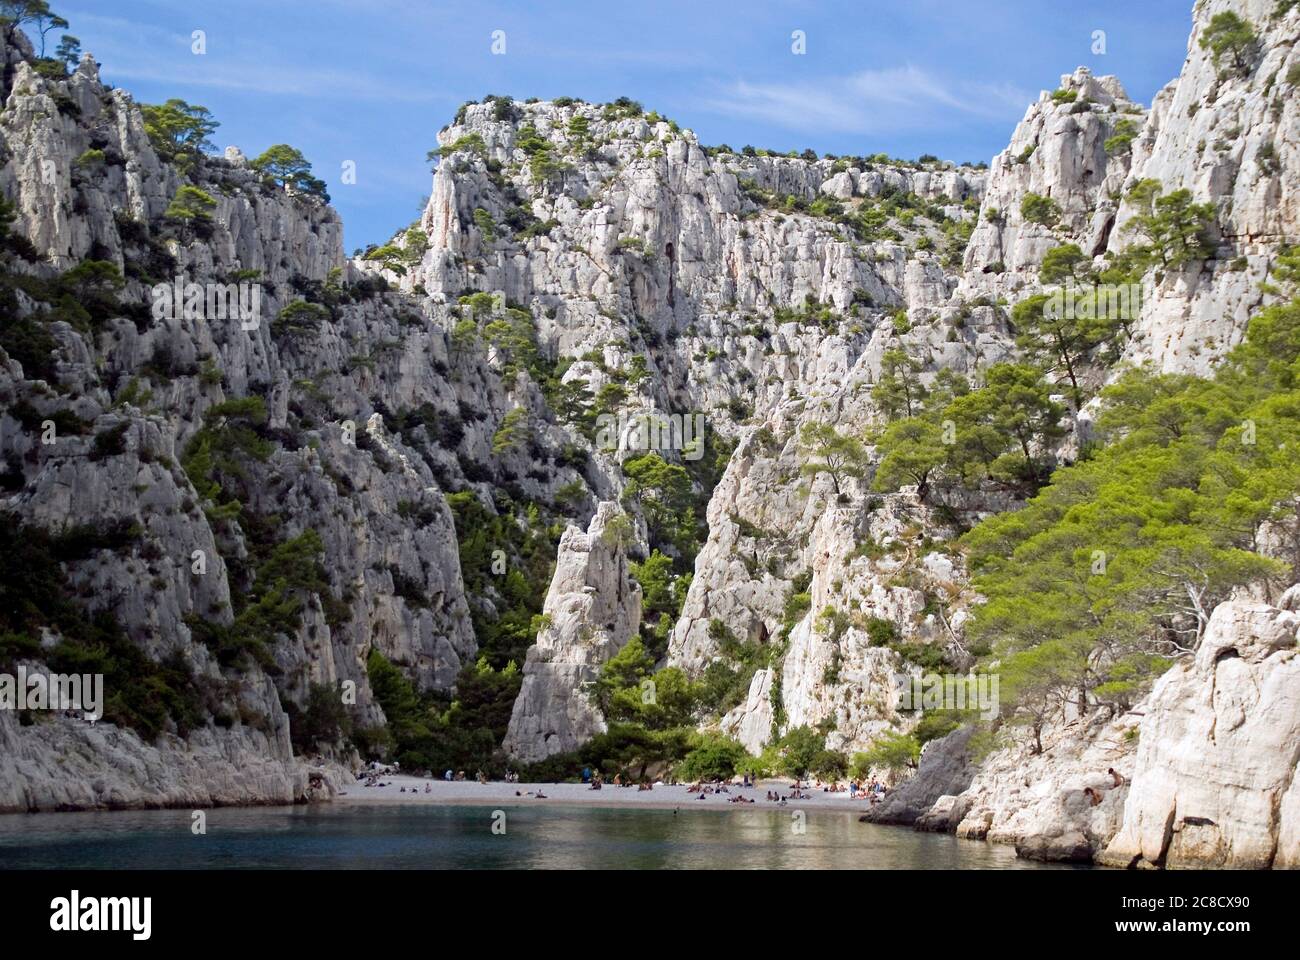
(440,837)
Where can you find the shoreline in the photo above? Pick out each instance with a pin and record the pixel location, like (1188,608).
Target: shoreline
(499,793)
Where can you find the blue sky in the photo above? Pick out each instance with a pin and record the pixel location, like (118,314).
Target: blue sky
(372,81)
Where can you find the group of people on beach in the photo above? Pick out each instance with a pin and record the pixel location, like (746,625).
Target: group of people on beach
(797,792)
(374,772)
(873,791)
(598,781)
(701,790)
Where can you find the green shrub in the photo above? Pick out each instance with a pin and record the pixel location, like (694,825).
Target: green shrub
(894,752)
(1039,209)
(1229,39)
(486,225)
(712,757)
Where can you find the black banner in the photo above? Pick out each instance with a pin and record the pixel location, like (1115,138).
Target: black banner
(320,909)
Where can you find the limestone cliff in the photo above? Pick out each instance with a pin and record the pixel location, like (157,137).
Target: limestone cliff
(592,609)
(649,275)
(1214,780)
(87,184)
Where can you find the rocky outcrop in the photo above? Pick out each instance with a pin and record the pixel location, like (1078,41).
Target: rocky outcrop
(1225,132)
(63,764)
(1060,804)
(1215,781)
(592,609)
(750,722)
(1058,151)
(929,799)
(1205,766)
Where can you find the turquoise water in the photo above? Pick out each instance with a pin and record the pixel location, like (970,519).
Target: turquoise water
(441,837)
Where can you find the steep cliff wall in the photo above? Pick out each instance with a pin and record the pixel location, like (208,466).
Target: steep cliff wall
(87,184)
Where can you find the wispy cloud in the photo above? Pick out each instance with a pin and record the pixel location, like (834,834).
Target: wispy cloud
(281,81)
(871,102)
(158,55)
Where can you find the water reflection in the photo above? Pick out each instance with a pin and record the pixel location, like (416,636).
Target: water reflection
(425,836)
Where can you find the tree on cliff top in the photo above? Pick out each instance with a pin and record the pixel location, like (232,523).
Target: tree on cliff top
(285,166)
(15,13)
(179,131)
(190,206)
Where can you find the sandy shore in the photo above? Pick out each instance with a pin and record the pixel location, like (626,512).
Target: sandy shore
(470,792)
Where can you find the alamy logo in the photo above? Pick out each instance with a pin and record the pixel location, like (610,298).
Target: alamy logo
(952,691)
(75,913)
(179,300)
(681,432)
(34,690)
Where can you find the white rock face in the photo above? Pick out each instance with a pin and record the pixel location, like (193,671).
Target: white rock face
(1039,802)
(60,764)
(1208,764)
(1215,777)
(593,608)
(1058,152)
(1233,138)
(751,722)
